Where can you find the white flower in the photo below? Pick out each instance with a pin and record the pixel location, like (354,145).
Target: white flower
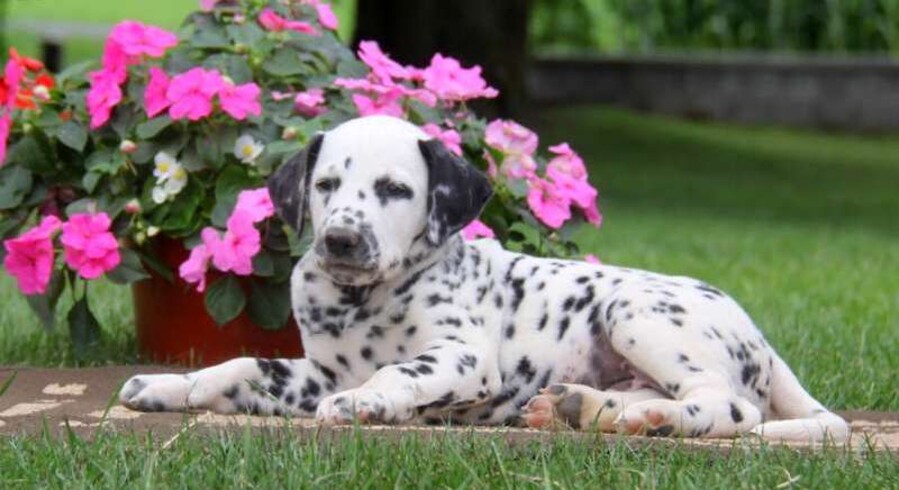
(165,164)
(170,178)
(246,149)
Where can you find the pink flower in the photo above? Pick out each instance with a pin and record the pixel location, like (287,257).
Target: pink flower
(256,203)
(137,39)
(12,77)
(239,101)
(519,166)
(29,257)
(155,100)
(578,191)
(193,270)
(449,137)
(115,62)
(234,252)
(382,67)
(5,125)
(271,21)
(326,15)
(448,80)
(510,137)
(387,104)
(90,248)
(567,162)
(207,5)
(191,93)
(310,103)
(477,229)
(592,259)
(549,205)
(103,96)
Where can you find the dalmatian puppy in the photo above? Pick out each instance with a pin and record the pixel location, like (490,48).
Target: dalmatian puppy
(402,320)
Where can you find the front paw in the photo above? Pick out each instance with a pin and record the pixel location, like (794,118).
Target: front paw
(364,406)
(156,393)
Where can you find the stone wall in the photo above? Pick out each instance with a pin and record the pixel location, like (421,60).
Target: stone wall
(846,94)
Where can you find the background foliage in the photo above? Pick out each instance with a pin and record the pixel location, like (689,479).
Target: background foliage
(833,26)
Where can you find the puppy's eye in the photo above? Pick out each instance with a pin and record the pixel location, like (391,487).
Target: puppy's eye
(389,190)
(395,189)
(327,185)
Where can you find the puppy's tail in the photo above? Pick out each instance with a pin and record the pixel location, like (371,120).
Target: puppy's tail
(799,416)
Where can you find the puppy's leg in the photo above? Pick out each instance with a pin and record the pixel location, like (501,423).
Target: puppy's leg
(581,407)
(707,411)
(261,386)
(448,373)
(806,418)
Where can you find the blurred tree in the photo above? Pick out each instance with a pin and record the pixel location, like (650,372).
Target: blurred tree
(493,34)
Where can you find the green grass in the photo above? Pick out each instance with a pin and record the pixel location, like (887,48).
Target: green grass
(279,459)
(800,227)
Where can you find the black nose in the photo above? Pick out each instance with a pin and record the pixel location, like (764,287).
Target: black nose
(342,242)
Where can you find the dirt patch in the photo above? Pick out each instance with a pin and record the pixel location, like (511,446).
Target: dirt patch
(85,399)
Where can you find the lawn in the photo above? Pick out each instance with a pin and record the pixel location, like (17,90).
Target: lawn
(800,227)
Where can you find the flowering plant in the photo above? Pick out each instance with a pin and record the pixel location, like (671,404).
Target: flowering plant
(173,134)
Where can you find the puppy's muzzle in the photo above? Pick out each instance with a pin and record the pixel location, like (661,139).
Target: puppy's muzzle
(342,243)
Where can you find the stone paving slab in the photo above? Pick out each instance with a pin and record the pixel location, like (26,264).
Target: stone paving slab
(84,400)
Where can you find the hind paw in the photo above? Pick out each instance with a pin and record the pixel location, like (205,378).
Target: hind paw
(559,406)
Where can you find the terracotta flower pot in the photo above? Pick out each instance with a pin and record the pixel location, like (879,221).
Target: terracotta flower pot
(173,326)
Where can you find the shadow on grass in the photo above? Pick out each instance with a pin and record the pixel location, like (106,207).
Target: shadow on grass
(654,164)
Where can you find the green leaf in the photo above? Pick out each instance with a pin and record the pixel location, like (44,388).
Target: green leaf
(90,181)
(208,33)
(157,265)
(151,128)
(248,33)
(74,72)
(263,265)
(44,305)
(34,153)
(129,270)
(269,305)
(73,135)
(225,300)
(84,330)
(15,183)
(285,62)
(184,212)
(283,267)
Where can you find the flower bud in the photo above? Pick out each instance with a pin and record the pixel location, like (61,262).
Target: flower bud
(140,237)
(127,146)
(289,133)
(132,206)
(41,92)
(239,19)
(241,48)
(152,231)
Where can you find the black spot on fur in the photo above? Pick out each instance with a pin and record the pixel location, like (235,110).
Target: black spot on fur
(525,369)
(735,414)
(563,327)
(366,353)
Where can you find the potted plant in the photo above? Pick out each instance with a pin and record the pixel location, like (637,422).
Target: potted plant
(148,168)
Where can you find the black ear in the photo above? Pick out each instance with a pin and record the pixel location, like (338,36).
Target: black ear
(288,186)
(457,192)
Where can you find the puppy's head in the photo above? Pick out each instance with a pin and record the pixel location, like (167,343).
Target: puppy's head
(375,189)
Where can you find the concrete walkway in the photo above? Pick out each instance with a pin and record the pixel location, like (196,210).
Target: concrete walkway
(85,399)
